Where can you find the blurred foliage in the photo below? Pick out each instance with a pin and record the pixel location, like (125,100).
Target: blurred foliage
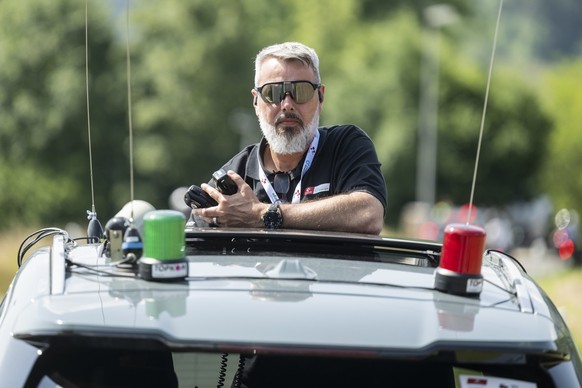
(44,166)
(384,100)
(45,194)
(191,75)
(563,101)
(514,137)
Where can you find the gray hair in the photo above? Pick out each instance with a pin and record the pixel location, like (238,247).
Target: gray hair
(289,51)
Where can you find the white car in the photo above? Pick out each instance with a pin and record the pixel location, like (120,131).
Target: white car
(212,307)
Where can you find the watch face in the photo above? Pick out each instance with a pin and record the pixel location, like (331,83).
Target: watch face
(272,217)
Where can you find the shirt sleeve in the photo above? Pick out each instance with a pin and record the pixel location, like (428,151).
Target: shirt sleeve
(356,166)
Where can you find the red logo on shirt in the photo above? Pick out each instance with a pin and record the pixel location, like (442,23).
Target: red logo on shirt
(309,191)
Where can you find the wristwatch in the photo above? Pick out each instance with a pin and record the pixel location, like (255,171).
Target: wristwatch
(272,218)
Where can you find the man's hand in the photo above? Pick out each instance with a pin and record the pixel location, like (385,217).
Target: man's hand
(242,209)
(356,212)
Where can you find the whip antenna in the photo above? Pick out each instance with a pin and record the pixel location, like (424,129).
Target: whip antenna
(484,111)
(94,229)
(132,245)
(88,110)
(131,191)
(459,270)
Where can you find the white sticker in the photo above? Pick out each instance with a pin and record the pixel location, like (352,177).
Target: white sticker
(169,270)
(474,285)
(324,187)
(493,382)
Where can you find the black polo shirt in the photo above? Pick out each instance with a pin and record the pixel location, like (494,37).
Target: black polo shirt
(345,161)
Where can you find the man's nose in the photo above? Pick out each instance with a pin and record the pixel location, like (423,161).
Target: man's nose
(287,102)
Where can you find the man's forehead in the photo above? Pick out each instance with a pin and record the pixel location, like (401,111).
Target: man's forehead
(275,69)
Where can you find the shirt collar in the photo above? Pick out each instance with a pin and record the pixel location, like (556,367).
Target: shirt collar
(252,169)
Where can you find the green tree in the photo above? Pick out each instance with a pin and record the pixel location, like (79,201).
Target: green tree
(377,87)
(381,9)
(191,75)
(514,140)
(43,133)
(193,72)
(563,101)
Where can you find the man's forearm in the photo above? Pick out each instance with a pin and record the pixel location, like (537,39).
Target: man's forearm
(356,212)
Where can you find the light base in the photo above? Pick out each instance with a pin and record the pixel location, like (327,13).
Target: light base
(163,270)
(457,283)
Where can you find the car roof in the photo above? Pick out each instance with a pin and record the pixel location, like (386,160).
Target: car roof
(285,291)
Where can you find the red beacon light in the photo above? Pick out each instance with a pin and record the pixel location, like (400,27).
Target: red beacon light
(459,270)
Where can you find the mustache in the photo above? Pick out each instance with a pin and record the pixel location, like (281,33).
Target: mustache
(288,116)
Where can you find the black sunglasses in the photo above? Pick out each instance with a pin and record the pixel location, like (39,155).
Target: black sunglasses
(282,184)
(275,92)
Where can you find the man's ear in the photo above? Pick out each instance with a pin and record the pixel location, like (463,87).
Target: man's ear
(255,101)
(321,93)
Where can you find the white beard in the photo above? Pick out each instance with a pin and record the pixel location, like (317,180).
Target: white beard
(289,142)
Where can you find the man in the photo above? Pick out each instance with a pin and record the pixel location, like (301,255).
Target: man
(300,176)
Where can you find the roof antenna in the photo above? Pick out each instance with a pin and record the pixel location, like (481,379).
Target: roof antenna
(94,229)
(484,111)
(163,258)
(459,270)
(132,245)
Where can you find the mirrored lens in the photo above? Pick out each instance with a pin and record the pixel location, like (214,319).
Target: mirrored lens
(272,92)
(301,91)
